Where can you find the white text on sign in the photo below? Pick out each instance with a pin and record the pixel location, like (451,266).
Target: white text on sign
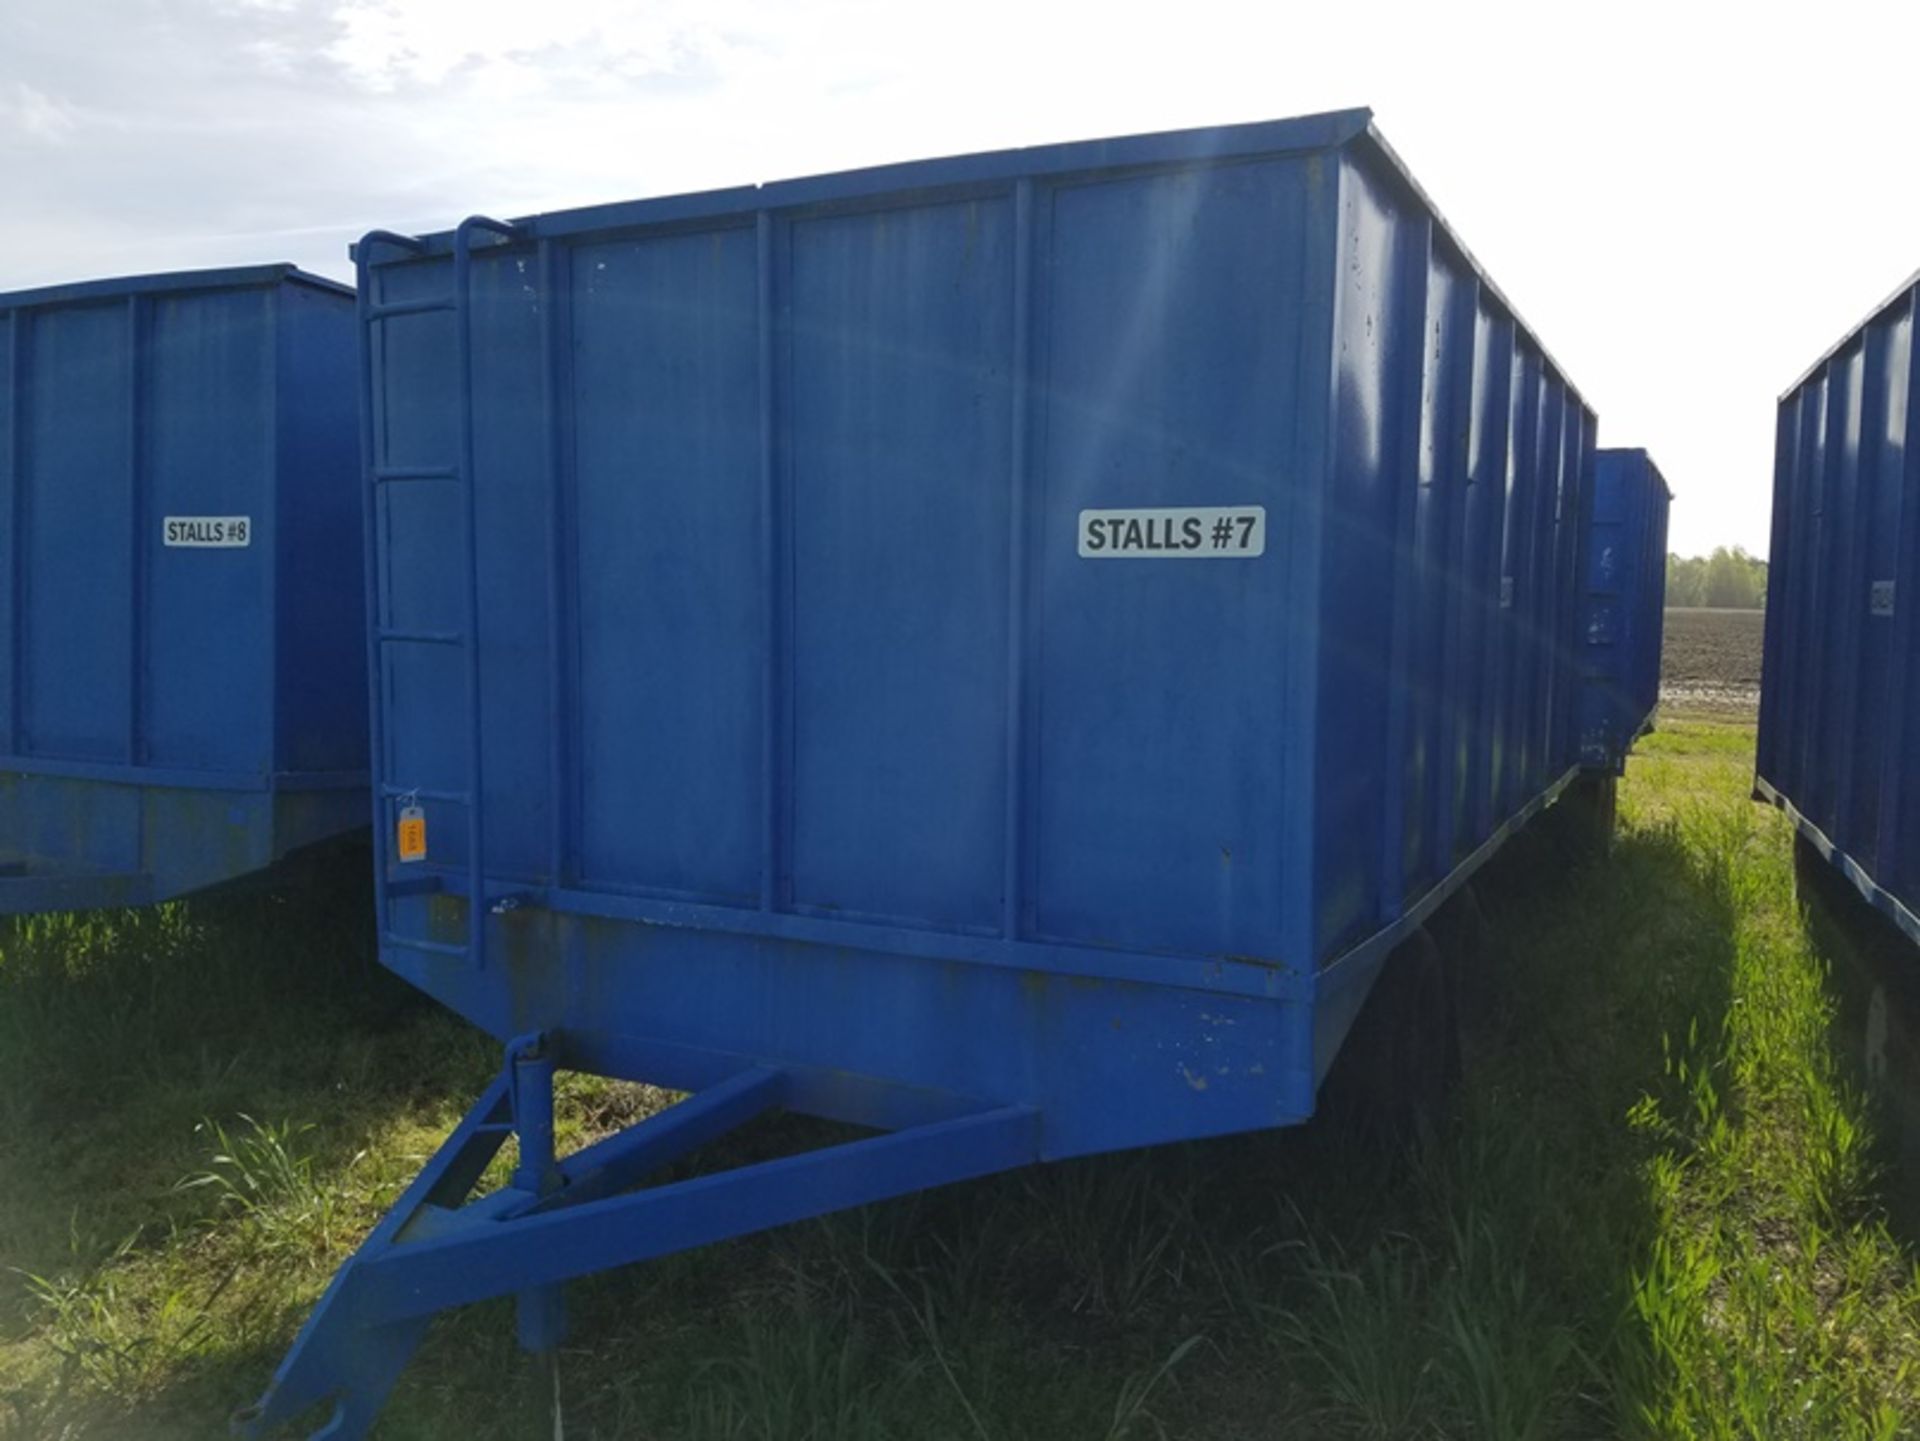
(207,531)
(1191,532)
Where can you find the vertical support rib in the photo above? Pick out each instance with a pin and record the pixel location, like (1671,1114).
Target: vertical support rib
(1520,559)
(1812,505)
(1403,567)
(470,544)
(1544,566)
(1517,580)
(1303,515)
(1831,598)
(17,516)
(370,581)
(560,808)
(1782,564)
(771,699)
(266,522)
(1567,553)
(1017,523)
(137,526)
(1560,751)
(1490,478)
(1896,827)
(1457,594)
(1555,631)
(1855,584)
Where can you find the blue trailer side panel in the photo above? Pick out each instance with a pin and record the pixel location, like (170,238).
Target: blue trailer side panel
(1355,770)
(12,372)
(667,348)
(318,690)
(76,535)
(1155,796)
(1650,603)
(812,735)
(180,622)
(12,329)
(1625,595)
(1442,662)
(209,385)
(1482,691)
(898,710)
(1838,738)
(1000,650)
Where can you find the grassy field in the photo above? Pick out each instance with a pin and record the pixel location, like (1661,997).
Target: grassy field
(1652,1209)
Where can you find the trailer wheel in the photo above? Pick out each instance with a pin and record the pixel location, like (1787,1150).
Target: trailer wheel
(1430,1066)
(1585,814)
(1471,958)
(1812,875)
(1400,1062)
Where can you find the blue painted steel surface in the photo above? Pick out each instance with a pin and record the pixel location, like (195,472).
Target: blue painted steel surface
(783,645)
(1626,595)
(175,715)
(1839,745)
(437,1248)
(732,584)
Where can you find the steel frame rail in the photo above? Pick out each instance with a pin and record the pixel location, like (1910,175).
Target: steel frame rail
(561,1219)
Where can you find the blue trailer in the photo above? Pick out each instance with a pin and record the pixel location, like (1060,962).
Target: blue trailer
(182,695)
(1839,743)
(1626,596)
(998,651)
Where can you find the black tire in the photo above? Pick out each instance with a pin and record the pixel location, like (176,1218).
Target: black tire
(1472,958)
(1400,1062)
(1813,874)
(1584,816)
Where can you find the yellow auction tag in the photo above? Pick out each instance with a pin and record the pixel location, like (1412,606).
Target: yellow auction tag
(413,834)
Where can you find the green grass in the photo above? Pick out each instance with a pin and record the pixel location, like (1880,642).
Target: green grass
(1652,1209)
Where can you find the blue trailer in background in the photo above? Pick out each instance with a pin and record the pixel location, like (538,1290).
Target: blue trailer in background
(1839,744)
(1625,600)
(182,692)
(998,651)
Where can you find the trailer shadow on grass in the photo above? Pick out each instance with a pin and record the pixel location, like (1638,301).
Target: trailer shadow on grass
(1479,1281)
(1644,1154)
(1874,980)
(197,1100)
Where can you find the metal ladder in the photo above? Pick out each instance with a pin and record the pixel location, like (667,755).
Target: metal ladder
(388,794)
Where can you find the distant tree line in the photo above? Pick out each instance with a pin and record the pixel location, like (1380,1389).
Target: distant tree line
(1727,580)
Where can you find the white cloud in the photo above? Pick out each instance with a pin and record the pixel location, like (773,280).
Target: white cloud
(387,44)
(37,115)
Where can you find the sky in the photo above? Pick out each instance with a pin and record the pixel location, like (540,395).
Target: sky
(1687,201)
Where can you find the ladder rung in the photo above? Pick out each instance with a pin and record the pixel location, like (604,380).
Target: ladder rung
(432,948)
(446,798)
(407,307)
(386,474)
(424,637)
(460,473)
